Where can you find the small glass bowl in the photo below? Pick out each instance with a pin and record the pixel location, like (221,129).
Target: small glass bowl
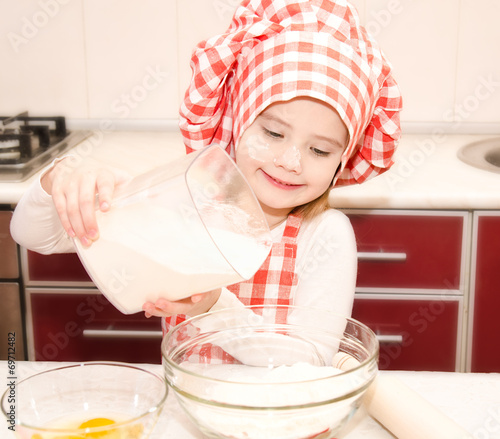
(86,401)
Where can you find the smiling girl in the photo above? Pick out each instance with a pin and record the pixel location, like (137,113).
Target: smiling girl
(290,154)
(303,99)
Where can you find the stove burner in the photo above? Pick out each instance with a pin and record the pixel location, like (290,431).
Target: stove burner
(28,143)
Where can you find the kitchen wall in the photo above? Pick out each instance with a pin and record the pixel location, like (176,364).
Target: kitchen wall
(129,60)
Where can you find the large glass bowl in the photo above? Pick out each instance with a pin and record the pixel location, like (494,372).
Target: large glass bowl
(265,372)
(86,401)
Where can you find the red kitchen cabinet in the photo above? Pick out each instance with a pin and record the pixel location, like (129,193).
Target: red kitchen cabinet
(11,305)
(485,293)
(55,269)
(68,319)
(410,292)
(414,333)
(81,325)
(410,285)
(408,250)
(9,268)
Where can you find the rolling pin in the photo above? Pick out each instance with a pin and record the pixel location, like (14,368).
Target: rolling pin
(401,410)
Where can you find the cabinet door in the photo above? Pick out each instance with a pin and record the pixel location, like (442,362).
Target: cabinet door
(416,334)
(11,322)
(416,251)
(79,325)
(9,266)
(54,269)
(486,294)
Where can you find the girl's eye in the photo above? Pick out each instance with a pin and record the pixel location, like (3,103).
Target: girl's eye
(272,134)
(320,152)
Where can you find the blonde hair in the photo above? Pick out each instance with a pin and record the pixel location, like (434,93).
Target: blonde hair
(313,208)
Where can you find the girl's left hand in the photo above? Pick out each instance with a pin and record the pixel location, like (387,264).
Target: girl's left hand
(191,306)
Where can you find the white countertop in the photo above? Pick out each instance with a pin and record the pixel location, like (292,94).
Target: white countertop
(134,151)
(427,173)
(471,400)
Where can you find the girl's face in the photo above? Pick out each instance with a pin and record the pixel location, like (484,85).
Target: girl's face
(290,153)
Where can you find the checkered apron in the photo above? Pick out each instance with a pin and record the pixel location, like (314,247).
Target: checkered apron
(272,284)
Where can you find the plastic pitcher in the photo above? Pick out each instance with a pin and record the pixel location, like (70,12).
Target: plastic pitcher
(188,227)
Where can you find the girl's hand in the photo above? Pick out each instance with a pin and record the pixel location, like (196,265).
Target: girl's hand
(74,189)
(191,306)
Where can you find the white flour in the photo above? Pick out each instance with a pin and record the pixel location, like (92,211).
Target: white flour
(290,158)
(272,424)
(146,252)
(259,150)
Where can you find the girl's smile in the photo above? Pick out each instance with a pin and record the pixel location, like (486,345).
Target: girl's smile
(280,183)
(290,154)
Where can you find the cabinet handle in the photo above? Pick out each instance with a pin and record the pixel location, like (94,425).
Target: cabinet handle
(114,333)
(387,338)
(381,256)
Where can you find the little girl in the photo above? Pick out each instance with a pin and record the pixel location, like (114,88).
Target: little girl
(303,99)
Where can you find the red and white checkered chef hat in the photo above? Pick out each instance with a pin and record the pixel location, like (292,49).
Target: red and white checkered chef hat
(276,50)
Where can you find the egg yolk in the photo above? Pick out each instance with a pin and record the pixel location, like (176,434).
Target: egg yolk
(133,431)
(95,423)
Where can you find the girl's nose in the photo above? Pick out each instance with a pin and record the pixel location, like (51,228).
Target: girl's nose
(289,158)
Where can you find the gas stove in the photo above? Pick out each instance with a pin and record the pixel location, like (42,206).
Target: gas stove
(29,143)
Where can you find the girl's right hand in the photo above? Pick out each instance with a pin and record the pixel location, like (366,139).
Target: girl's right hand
(74,190)
(191,306)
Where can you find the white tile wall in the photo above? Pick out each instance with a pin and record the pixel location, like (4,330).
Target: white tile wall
(42,58)
(478,68)
(131,56)
(420,39)
(89,59)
